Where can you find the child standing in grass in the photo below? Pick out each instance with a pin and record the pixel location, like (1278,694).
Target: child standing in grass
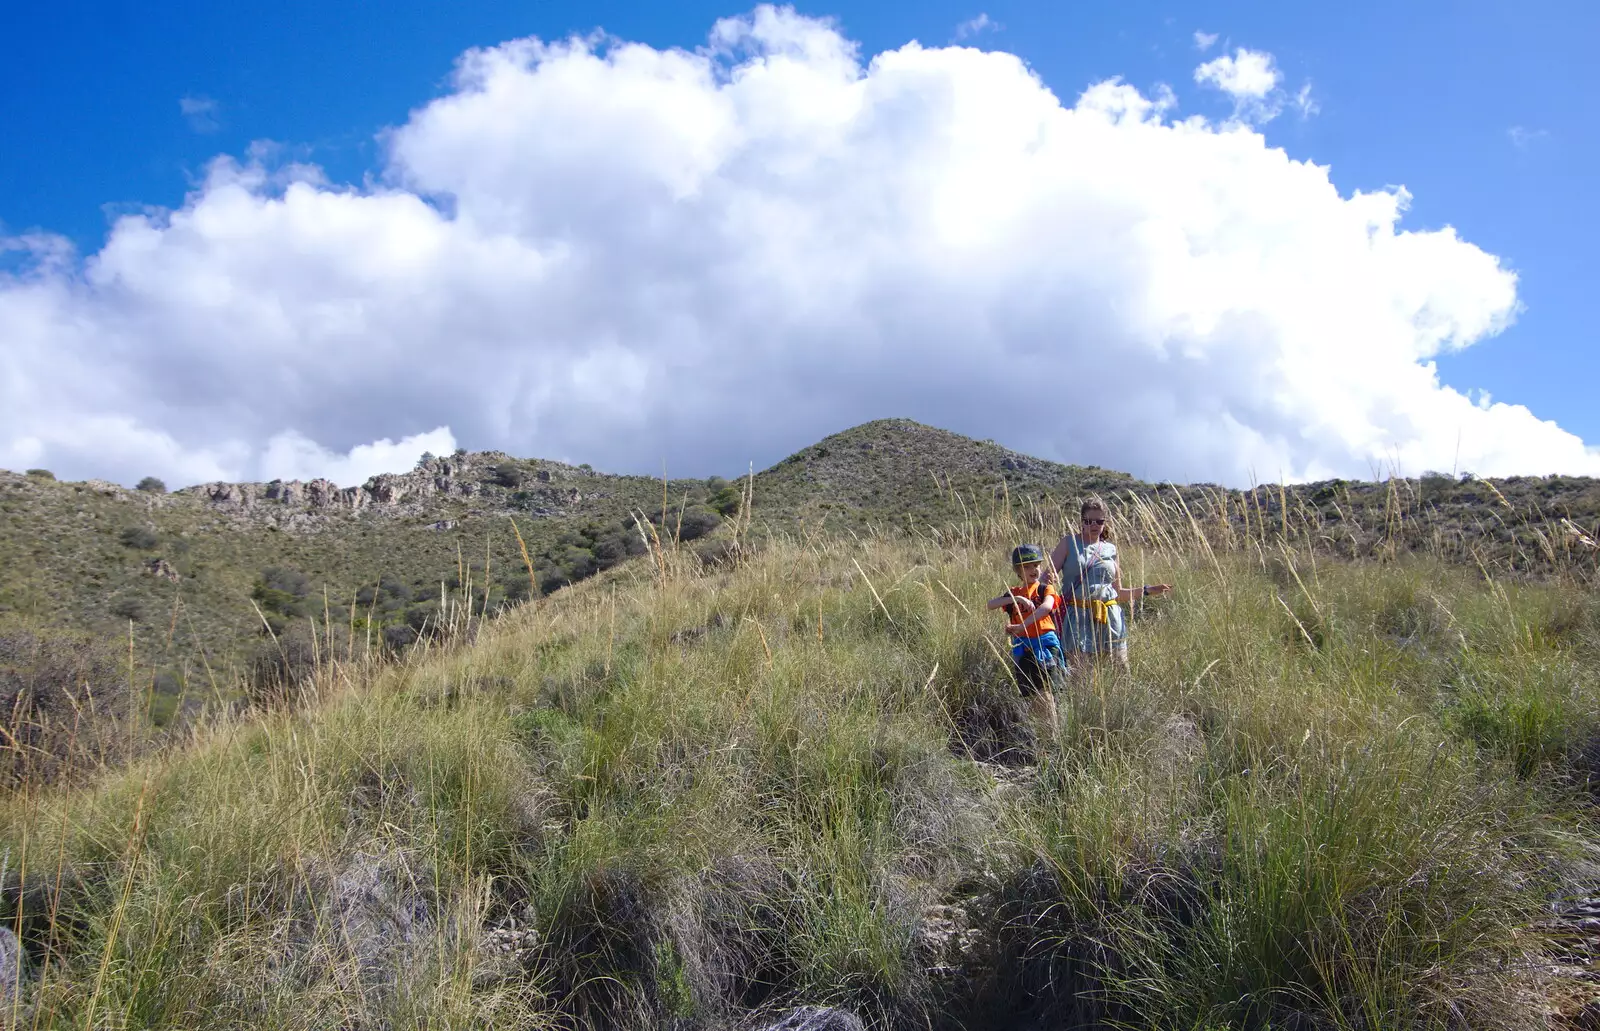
(1035,649)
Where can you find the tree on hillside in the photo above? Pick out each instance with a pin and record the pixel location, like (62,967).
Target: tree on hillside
(152,485)
(723,497)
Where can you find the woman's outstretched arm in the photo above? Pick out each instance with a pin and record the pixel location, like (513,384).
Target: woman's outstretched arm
(1130,593)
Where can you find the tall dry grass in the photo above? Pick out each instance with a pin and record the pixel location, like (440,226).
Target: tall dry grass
(1331,792)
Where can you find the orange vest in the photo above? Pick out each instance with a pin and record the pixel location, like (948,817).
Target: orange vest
(1036,594)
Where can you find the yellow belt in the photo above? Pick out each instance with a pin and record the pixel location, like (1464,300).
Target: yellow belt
(1099,610)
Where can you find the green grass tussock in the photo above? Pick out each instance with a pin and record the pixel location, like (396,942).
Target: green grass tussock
(1328,794)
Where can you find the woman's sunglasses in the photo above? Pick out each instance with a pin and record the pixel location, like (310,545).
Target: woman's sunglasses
(1096,522)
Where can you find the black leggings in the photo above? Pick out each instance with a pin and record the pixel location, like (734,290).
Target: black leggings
(1033,676)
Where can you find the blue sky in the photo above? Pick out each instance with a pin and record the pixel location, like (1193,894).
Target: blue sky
(1481,110)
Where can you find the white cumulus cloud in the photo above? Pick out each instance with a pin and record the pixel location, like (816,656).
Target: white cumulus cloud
(596,250)
(1251,78)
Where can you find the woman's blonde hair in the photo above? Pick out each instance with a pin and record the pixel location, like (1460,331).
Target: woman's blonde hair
(1094,503)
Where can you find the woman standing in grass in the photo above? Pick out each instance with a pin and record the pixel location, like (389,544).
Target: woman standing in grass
(1091,622)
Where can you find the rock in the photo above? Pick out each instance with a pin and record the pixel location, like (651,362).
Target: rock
(1178,743)
(379,916)
(387,494)
(506,951)
(292,493)
(816,1018)
(443,524)
(161,569)
(945,939)
(12,968)
(323,494)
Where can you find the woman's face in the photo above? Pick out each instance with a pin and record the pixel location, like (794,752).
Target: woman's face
(1094,520)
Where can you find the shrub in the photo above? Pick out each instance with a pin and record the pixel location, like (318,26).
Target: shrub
(726,501)
(280,668)
(46,682)
(41,474)
(283,591)
(152,485)
(140,538)
(399,637)
(697,522)
(390,593)
(506,475)
(128,608)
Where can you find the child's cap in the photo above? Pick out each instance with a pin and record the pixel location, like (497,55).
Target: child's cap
(1023,554)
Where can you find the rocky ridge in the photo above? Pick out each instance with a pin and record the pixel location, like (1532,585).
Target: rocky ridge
(483,480)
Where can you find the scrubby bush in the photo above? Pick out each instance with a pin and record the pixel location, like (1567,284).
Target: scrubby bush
(283,591)
(42,474)
(140,538)
(507,475)
(63,700)
(280,668)
(152,485)
(397,638)
(129,608)
(390,593)
(697,522)
(726,501)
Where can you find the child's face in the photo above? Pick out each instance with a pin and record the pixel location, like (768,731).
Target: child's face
(1029,571)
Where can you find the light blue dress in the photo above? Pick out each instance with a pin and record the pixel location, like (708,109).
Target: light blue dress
(1088,573)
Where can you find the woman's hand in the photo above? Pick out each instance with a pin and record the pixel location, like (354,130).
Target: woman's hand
(1157,589)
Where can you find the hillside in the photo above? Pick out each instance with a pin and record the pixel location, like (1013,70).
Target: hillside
(189,569)
(896,472)
(1330,794)
(188,577)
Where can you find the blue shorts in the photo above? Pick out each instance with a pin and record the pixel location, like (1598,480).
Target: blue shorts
(1046,648)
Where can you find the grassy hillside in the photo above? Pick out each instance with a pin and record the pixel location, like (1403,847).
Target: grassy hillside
(183,578)
(895,473)
(172,591)
(1332,793)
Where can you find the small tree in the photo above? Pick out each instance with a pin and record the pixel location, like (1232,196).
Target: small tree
(41,474)
(726,500)
(151,485)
